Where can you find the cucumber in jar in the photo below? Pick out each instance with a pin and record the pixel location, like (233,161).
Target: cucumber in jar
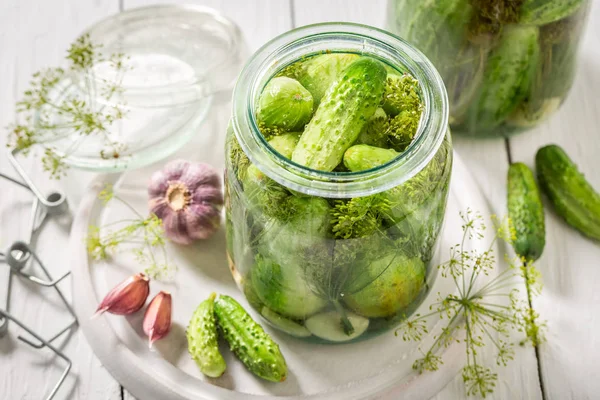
(318,73)
(344,110)
(278,273)
(542,12)
(507,78)
(285,103)
(395,282)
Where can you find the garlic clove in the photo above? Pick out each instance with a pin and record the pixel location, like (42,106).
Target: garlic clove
(159,183)
(208,195)
(199,175)
(175,226)
(157,319)
(203,220)
(127,297)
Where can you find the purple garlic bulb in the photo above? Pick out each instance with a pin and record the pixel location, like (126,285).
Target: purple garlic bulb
(187,197)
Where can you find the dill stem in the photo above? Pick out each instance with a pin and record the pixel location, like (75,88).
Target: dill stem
(526,265)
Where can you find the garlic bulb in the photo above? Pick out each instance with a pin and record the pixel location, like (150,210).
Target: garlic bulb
(187,197)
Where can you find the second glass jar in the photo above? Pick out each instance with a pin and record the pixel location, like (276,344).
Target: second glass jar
(507,64)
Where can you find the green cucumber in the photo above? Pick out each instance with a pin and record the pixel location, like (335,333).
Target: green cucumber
(285,103)
(507,78)
(286,325)
(526,212)
(395,281)
(317,73)
(573,197)
(542,12)
(341,116)
(249,342)
(328,325)
(283,288)
(202,339)
(285,143)
(361,157)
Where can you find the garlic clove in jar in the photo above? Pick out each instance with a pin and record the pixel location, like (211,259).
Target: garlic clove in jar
(188,198)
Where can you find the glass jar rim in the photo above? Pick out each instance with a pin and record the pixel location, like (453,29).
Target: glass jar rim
(297,43)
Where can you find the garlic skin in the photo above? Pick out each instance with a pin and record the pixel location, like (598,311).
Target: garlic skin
(157,319)
(127,297)
(188,198)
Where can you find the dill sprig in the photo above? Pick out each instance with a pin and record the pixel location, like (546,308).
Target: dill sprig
(48,111)
(484,312)
(145,233)
(359,216)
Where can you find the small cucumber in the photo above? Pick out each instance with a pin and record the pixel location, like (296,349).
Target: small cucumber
(328,326)
(507,77)
(526,212)
(285,324)
(361,157)
(249,342)
(285,103)
(285,143)
(341,116)
(542,12)
(573,197)
(318,73)
(202,339)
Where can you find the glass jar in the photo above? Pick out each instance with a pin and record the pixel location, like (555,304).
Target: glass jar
(282,249)
(507,64)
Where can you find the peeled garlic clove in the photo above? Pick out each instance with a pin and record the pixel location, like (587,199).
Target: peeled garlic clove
(188,198)
(157,319)
(127,297)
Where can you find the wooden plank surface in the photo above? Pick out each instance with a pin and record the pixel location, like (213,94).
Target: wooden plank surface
(570,265)
(34,34)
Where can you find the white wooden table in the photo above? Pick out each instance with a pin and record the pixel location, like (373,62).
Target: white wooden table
(35,34)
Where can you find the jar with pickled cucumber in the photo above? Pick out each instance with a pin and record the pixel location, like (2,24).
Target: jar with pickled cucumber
(507,64)
(338,164)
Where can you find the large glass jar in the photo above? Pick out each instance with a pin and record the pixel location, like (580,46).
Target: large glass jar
(283,251)
(507,64)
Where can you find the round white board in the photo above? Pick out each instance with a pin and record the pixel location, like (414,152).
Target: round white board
(376,368)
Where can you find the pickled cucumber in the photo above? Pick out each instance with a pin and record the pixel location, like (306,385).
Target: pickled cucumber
(396,281)
(328,326)
(285,324)
(286,104)
(507,77)
(341,116)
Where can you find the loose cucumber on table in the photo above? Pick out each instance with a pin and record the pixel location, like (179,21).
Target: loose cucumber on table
(202,339)
(250,343)
(344,110)
(573,197)
(526,212)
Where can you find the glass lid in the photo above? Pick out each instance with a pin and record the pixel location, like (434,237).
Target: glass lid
(140,85)
(175,53)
